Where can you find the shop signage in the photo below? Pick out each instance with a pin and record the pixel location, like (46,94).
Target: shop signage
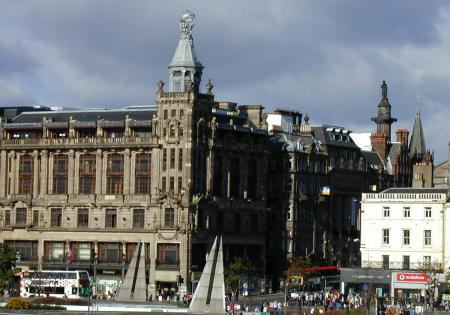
(411,277)
(109,272)
(361,275)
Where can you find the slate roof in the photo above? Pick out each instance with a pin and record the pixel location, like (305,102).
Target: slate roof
(146,113)
(373,159)
(321,134)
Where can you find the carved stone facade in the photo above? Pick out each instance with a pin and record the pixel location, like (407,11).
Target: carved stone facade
(94,183)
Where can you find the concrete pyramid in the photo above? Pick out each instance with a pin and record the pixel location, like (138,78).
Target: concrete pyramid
(134,287)
(209,297)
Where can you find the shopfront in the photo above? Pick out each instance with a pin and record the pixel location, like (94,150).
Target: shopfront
(364,280)
(408,287)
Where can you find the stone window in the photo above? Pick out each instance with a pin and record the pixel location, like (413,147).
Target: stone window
(180,184)
(181,113)
(83,218)
(235,178)
(138,218)
(406,212)
(26,167)
(173,113)
(60,174)
(172,184)
(164,158)
(112,252)
(172,158)
(114,174)
(180,159)
(7,217)
(111,218)
(427,212)
(163,184)
(26,250)
(143,174)
(56,251)
(386,212)
(386,261)
(84,252)
(386,236)
(21,216)
(180,132)
(87,174)
(166,114)
(405,262)
(172,131)
(406,237)
(56,217)
(427,237)
(36,217)
(169,218)
(168,254)
(251,178)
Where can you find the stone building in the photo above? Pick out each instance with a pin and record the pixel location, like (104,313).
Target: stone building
(94,183)
(316,177)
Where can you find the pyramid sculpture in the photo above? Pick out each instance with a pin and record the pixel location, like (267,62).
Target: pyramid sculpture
(134,287)
(209,297)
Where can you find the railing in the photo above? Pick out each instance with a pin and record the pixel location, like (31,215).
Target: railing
(409,196)
(402,266)
(77,141)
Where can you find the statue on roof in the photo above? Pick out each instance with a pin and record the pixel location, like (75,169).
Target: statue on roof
(187,23)
(384,90)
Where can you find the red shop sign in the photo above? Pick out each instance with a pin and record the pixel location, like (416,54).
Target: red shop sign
(412,277)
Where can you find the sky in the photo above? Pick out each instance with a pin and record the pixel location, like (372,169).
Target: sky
(325,58)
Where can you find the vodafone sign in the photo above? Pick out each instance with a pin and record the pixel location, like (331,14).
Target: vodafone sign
(412,277)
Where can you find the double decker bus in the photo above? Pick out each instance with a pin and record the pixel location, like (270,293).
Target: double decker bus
(71,284)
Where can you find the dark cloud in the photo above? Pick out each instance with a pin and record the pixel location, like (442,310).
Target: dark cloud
(327,58)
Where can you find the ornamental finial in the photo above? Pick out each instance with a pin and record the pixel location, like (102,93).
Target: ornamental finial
(187,23)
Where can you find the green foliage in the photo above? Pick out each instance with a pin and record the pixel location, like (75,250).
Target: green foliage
(18,304)
(233,274)
(7,266)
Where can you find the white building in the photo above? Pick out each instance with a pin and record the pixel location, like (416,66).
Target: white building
(405,228)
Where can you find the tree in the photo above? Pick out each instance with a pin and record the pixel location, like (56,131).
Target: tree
(233,273)
(432,270)
(7,266)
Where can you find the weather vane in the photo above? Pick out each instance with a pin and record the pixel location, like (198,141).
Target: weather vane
(187,23)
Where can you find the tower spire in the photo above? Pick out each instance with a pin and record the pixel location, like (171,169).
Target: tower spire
(417,143)
(185,65)
(384,119)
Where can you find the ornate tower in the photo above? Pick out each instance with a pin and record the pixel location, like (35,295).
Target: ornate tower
(384,119)
(185,65)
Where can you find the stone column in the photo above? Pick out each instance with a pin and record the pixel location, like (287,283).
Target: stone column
(98,172)
(124,255)
(3,175)
(50,174)
(71,174)
(76,170)
(35,173)
(133,172)
(12,174)
(152,271)
(227,177)
(126,172)
(103,173)
(40,253)
(44,172)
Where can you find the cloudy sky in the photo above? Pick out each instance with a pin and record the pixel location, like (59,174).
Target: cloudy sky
(325,58)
